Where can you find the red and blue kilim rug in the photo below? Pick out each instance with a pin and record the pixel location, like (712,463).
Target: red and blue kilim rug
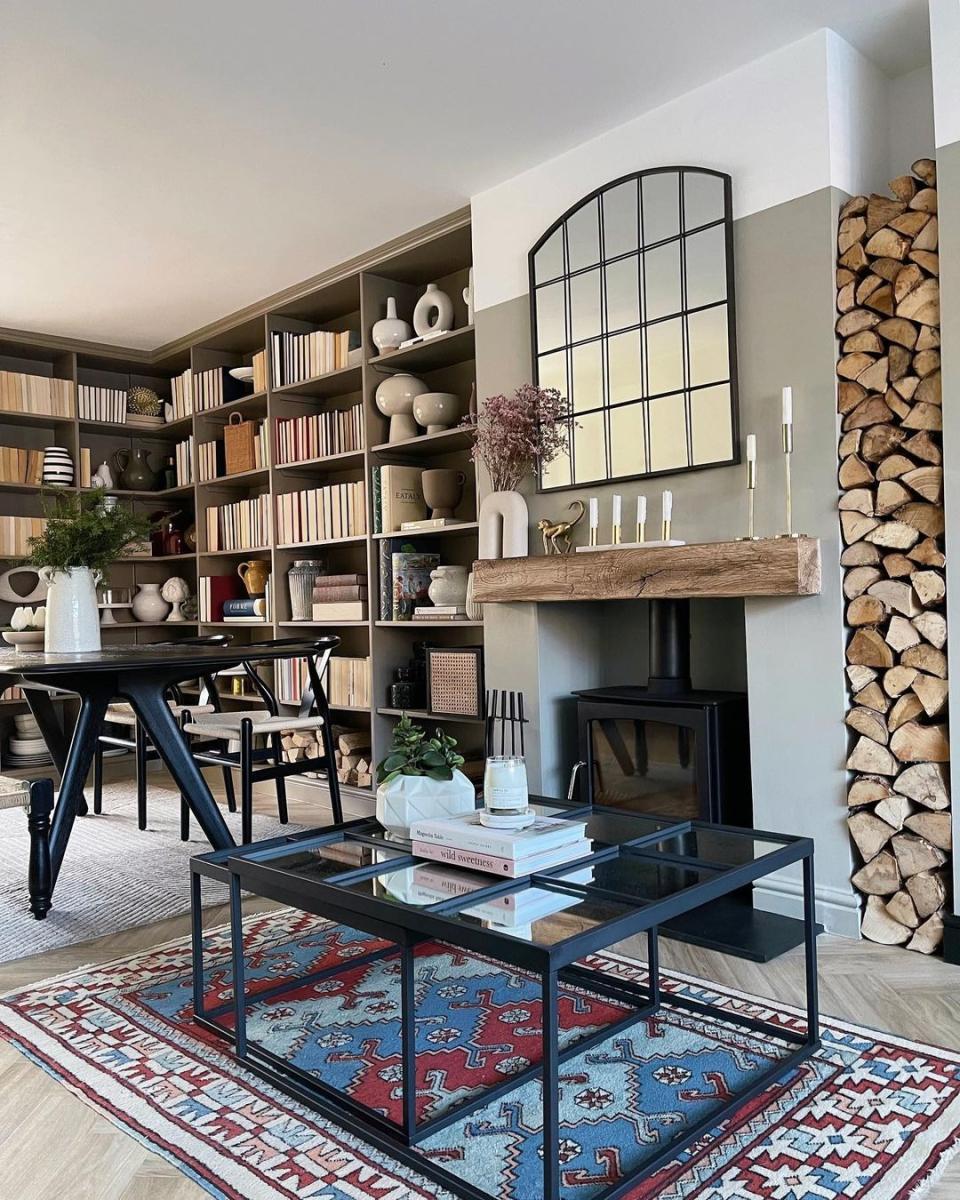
(871,1116)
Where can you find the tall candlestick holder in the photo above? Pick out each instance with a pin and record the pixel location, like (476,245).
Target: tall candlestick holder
(786,431)
(615,538)
(750,535)
(641,531)
(665,527)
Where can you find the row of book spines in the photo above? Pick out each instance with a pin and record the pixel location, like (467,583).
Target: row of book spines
(211,462)
(337,592)
(214,388)
(321,514)
(219,594)
(183,458)
(300,356)
(319,435)
(259,364)
(181,389)
(42,395)
(15,533)
(242,525)
(346,681)
(20,466)
(101,404)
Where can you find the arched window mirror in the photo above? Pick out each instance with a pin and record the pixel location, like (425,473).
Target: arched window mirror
(632,305)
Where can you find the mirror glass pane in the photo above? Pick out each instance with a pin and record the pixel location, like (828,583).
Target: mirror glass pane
(548,260)
(668,433)
(661,206)
(585,306)
(583,236)
(628,446)
(551,323)
(707,331)
(557,473)
(711,424)
(706,267)
(702,199)
(661,281)
(589,460)
(623,293)
(553,371)
(626,377)
(620,219)
(587,376)
(664,357)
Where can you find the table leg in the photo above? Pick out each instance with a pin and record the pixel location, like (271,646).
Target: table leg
(550,1081)
(51,730)
(653,965)
(93,708)
(408,1029)
(810,947)
(146,694)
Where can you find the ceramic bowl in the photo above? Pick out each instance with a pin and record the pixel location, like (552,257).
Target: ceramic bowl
(24,639)
(438,410)
(244,374)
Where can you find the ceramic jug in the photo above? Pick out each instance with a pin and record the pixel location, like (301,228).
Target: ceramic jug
(134,471)
(254,574)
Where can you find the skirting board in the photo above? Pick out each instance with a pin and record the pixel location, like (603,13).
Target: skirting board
(838,911)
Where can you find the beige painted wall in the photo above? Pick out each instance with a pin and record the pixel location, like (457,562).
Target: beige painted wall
(789,653)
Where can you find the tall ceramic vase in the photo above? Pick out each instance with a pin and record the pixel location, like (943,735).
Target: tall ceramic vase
(73,624)
(504,526)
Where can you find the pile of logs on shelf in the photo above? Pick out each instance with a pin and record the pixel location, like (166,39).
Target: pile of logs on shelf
(891,515)
(352,752)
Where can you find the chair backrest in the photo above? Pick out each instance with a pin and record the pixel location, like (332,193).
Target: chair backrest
(313,697)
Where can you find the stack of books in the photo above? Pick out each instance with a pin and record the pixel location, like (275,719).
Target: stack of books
(37,394)
(102,404)
(439,612)
(346,681)
(245,609)
(464,842)
(397,498)
(21,466)
(181,387)
(340,598)
(243,525)
(319,435)
(300,356)
(322,514)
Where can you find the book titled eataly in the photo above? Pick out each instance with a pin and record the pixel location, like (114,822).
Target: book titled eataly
(465,842)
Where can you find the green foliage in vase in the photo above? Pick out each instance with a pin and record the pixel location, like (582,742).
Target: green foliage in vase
(82,531)
(413,753)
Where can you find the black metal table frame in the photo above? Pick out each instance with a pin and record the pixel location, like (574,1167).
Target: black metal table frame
(554,964)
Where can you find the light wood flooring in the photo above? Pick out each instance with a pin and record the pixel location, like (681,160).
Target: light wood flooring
(52,1145)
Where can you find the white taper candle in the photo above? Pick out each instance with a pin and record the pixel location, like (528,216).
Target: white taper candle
(641,510)
(667,506)
(594,513)
(751,447)
(617,504)
(788,406)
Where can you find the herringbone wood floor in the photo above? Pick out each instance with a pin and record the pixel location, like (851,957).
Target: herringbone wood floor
(52,1145)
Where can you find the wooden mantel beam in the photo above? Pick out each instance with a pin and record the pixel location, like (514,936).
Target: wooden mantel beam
(767,567)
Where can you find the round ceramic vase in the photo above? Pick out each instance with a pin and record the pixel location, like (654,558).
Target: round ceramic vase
(57,467)
(389,332)
(434,312)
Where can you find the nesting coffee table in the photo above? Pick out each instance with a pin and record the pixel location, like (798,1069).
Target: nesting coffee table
(642,872)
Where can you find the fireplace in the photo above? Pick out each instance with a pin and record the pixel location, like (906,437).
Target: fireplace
(669,749)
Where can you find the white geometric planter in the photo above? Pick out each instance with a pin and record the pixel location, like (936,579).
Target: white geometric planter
(410,798)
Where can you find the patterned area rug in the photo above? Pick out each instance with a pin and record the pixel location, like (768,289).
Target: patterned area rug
(871,1116)
(113,877)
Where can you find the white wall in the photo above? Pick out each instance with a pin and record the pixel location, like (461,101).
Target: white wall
(944,52)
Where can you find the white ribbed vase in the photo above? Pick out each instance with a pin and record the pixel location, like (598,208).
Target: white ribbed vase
(57,467)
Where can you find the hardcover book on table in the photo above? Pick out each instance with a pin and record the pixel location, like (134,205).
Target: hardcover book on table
(467,833)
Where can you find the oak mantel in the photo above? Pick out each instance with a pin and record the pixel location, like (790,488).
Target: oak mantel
(707,570)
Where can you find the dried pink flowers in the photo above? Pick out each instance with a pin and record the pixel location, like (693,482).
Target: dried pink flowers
(519,434)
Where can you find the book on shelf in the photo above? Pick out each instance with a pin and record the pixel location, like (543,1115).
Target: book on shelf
(298,356)
(245,606)
(259,364)
(86,468)
(181,390)
(41,395)
(319,435)
(242,525)
(348,682)
(427,613)
(512,868)
(183,457)
(467,833)
(213,591)
(429,524)
(340,610)
(397,497)
(102,404)
(332,592)
(338,510)
(21,466)
(214,388)
(143,421)
(15,534)
(410,579)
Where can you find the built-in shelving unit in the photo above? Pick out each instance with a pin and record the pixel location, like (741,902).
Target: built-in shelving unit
(351,300)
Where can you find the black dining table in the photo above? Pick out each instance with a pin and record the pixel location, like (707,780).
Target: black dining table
(142,675)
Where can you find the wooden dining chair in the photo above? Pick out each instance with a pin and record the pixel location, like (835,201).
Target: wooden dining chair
(265,762)
(121,714)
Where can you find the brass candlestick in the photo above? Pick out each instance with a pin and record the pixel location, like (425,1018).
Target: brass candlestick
(615,535)
(786,431)
(593,536)
(665,525)
(641,531)
(751,493)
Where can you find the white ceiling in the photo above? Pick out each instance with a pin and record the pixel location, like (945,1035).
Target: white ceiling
(166,162)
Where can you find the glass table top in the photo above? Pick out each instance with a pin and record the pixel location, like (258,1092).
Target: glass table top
(635,862)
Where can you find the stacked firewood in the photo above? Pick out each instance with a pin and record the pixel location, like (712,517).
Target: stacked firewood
(352,752)
(891,514)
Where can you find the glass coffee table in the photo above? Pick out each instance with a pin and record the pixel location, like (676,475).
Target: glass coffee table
(547,928)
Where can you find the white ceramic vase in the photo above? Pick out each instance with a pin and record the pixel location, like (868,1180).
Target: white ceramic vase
(434,312)
(438,411)
(410,798)
(390,331)
(504,526)
(448,586)
(148,604)
(395,397)
(73,622)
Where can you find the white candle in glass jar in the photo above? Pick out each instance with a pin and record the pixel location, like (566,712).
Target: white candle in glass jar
(505,784)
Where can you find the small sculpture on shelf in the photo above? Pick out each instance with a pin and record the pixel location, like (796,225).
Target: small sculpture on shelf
(390,330)
(438,411)
(148,604)
(395,397)
(255,575)
(442,491)
(175,591)
(102,476)
(555,532)
(433,313)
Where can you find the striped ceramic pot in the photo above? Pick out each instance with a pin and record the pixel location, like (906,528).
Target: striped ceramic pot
(57,467)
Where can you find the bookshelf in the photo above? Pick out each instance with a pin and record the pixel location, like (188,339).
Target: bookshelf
(349,298)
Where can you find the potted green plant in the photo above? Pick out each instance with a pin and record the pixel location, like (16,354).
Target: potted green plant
(84,535)
(420,777)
